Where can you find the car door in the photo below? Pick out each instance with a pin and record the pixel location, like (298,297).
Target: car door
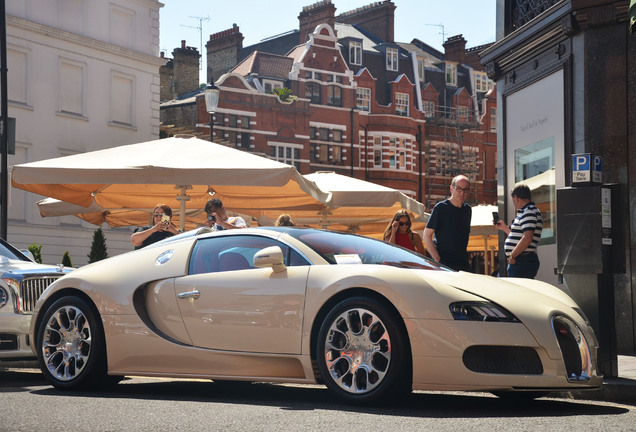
(227,304)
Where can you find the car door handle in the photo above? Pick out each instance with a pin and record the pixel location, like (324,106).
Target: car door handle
(189,294)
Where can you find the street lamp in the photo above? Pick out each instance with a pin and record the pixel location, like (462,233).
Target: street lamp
(211,93)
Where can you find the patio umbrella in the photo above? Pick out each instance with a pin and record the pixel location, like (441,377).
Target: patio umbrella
(180,172)
(358,206)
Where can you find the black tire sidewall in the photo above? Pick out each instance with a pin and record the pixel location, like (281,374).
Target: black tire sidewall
(394,376)
(95,369)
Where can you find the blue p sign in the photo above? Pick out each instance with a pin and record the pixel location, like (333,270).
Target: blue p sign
(581,162)
(586,169)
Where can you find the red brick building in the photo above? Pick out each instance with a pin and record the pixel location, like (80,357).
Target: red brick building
(403,115)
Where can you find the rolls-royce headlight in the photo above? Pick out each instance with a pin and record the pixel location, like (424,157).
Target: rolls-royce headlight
(481,311)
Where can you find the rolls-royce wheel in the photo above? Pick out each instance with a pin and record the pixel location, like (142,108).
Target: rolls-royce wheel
(70,346)
(361,352)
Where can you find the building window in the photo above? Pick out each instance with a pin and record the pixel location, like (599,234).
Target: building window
(420,68)
(323,134)
(402,104)
(337,135)
(232,120)
(363,99)
(392,59)
(451,74)
(245,140)
(312,92)
(377,152)
(493,119)
(481,82)
(245,122)
(270,85)
(334,96)
(336,154)
(287,153)
(429,108)
(122,105)
(355,53)
(462,113)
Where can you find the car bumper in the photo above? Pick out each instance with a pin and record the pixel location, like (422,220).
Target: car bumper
(14,337)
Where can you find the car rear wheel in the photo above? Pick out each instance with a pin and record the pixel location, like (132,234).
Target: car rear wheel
(70,345)
(361,351)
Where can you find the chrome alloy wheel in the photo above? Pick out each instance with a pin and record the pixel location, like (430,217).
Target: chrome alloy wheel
(66,343)
(357,350)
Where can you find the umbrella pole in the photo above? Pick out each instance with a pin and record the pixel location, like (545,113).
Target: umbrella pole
(182,198)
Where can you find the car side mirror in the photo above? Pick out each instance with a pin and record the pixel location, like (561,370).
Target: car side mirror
(28,254)
(270,257)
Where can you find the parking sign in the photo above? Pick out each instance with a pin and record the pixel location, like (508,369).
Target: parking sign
(586,169)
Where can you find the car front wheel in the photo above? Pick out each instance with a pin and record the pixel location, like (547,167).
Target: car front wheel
(70,345)
(362,351)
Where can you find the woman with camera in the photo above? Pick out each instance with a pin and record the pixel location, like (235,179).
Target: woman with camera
(162,228)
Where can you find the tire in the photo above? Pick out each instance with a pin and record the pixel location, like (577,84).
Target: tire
(70,346)
(361,352)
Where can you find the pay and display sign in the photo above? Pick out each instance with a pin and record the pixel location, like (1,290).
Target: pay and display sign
(586,169)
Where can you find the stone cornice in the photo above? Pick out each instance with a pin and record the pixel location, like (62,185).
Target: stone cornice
(62,35)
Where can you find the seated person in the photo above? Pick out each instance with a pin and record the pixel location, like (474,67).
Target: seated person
(162,228)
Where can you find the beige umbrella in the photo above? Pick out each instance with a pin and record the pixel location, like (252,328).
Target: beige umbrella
(180,172)
(358,206)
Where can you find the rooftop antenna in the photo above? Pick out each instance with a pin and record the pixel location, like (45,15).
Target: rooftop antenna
(200,28)
(442,33)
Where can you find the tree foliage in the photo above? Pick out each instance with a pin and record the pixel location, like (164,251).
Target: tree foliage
(66,260)
(36,250)
(284,94)
(98,247)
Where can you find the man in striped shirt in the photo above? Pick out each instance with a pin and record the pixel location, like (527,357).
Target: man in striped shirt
(523,235)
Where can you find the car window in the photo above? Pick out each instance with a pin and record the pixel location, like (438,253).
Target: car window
(341,248)
(236,252)
(10,252)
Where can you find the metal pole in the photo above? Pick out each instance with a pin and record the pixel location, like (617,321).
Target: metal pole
(4,143)
(211,127)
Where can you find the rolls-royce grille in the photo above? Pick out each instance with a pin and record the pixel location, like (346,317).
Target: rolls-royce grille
(575,350)
(507,360)
(31,289)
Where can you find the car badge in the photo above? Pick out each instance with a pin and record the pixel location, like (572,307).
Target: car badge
(164,257)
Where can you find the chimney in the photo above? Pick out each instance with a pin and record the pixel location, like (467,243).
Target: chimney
(185,69)
(455,49)
(311,16)
(222,52)
(377,18)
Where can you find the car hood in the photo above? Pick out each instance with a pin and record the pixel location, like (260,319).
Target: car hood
(26,267)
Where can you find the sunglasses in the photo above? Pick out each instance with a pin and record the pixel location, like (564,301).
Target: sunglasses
(158,214)
(405,223)
(461,190)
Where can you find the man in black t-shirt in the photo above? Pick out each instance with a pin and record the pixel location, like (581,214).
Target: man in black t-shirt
(448,228)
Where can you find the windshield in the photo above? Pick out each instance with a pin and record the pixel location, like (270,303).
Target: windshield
(10,252)
(342,248)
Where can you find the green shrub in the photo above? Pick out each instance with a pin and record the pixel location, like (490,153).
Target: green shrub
(66,260)
(36,250)
(98,247)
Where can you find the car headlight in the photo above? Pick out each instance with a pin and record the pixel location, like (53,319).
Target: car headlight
(480,311)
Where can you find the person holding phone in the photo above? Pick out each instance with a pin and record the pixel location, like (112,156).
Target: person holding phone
(218,218)
(162,228)
(523,235)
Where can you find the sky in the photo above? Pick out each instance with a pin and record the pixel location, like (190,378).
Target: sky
(431,21)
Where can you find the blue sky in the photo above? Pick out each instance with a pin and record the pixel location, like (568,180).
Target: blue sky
(259,19)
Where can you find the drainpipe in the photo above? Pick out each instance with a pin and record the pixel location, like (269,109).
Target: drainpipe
(366,152)
(419,162)
(351,138)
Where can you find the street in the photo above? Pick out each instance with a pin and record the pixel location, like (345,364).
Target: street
(155,404)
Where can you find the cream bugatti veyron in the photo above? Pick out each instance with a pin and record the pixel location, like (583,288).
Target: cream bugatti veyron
(366,318)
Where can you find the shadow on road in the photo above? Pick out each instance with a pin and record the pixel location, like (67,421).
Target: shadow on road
(315,397)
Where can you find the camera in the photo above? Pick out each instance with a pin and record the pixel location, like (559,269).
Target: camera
(495,217)
(165,219)
(211,218)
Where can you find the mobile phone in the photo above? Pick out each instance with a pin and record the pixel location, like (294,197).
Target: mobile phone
(165,219)
(211,218)
(495,217)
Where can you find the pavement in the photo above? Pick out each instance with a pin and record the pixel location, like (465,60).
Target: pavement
(621,389)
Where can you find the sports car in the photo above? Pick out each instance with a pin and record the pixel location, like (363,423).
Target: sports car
(368,319)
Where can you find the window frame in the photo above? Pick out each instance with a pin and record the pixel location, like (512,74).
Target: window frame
(355,53)
(392,59)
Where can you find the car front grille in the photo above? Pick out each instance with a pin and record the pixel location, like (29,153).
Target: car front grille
(8,342)
(577,357)
(508,360)
(31,289)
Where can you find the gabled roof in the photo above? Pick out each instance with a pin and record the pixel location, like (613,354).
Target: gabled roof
(280,44)
(265,65)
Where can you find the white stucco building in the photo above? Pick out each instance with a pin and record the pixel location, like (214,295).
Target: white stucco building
(82,76)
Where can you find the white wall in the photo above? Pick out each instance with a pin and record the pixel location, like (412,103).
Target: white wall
(83,75)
